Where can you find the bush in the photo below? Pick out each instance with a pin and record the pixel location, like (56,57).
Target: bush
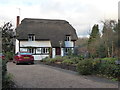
(7,81)
(49,60)
(6,77)
(4,67)
(67,61)
(66,57)
(59,58)
(96,65)
(76,60)
(113,59)
(110,70)
(85,67)
(9,55)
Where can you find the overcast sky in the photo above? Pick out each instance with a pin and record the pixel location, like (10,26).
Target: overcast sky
(81,14)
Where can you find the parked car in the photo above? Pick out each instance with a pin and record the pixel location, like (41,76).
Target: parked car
(23,57)
(2,56)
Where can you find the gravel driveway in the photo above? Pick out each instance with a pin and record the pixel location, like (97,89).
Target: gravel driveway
(43,76)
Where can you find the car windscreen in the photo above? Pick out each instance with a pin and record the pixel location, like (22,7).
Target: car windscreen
(25,54)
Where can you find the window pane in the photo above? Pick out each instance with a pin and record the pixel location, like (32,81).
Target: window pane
(68,38)
(31,37)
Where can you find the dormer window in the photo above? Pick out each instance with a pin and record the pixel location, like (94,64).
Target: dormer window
(31,37)
(68,38)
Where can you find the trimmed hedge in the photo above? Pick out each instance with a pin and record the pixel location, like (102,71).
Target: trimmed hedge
(105,67)
(85,67)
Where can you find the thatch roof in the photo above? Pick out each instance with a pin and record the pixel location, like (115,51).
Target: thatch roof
(46,29)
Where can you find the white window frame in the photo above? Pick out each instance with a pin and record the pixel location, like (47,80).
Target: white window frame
(44,50)
(38,50)
(31,37)
(67,50)
(31,50)
(68,38)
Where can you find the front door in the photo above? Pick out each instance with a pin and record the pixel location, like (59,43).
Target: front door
(58,51)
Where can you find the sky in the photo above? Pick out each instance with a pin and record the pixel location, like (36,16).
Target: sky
(81,14)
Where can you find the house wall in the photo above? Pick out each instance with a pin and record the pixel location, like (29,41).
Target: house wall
(40,57)
(62,51)
(53,53)
(69,44)
(41,44)
(16,46)
(35,44)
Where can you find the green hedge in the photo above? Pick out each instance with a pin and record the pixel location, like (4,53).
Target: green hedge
(85,67)
(110,70)
(103,66)
(67,61)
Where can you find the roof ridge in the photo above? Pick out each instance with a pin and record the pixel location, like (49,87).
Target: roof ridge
(44,19)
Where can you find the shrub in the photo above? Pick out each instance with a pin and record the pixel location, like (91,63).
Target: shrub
(59,58)
(76,60)
(49,60)
(113,59)
(7,81)
(67,61)
(110,70)
(96,65)
(44,59)
(9,55)
(85,67)
(66,57)
(6,77)
(4,67)
(52,60)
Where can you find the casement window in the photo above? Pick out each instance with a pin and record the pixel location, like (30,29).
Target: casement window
(44,50)
(31,37)
(31,50)
(68,51)
(23,49)
(68,38)
(38,50)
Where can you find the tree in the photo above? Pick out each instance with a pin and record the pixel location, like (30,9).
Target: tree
(94,34)
(109,36)
(7,38)
(93,41)
(81,49)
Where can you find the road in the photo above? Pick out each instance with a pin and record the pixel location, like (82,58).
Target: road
(43,76)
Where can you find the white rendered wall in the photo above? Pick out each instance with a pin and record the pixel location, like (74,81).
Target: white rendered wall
(69,44)
(53,52)
(62,51)
(40,57)
(35,44)
(16,46)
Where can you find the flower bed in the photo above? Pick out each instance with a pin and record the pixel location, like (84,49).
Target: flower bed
(66,62)
(100,66)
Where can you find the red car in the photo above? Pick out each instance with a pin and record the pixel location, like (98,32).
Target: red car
(23,57)
(2,56)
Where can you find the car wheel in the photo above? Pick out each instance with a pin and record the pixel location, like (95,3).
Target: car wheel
(32,63)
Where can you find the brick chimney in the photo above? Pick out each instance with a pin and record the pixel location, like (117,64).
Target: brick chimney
(17,21)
